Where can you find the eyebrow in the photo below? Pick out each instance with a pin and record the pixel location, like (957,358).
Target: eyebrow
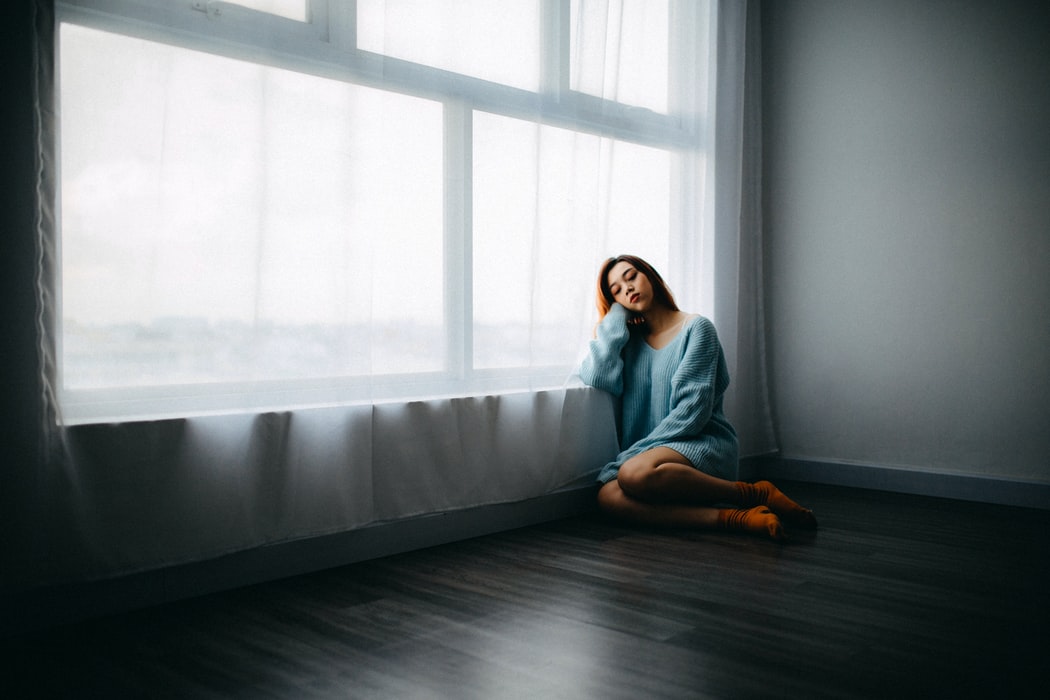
(614,282)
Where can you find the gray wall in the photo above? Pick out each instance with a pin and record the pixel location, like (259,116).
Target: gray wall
(907,222)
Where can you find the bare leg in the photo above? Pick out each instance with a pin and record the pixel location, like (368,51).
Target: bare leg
(662,475)
(614,501)
(758,521)
(661,487)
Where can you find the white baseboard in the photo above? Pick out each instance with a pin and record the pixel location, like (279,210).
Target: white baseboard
(965,487)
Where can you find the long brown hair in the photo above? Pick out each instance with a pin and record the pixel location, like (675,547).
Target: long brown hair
(661,294)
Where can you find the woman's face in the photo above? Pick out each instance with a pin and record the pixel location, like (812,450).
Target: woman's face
(630,287)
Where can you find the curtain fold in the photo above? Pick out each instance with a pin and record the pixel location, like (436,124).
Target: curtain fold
(162,493)
(45,237)
(737,234)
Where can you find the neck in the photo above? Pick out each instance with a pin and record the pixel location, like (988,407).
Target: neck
(660,319)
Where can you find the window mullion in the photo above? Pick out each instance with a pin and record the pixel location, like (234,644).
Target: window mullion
(554,80)
(459,253)
(338,19)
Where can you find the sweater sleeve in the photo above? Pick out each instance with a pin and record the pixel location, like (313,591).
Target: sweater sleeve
(603,366)
(697,383)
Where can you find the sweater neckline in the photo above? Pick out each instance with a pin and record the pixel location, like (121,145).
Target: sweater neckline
(681,331)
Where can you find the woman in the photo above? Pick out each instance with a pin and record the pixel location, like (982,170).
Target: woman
(679,455)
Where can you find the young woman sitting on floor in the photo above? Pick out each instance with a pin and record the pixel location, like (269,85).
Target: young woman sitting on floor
(678,464)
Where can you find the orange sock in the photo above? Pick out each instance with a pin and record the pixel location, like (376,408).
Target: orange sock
(756,521)
(764,493)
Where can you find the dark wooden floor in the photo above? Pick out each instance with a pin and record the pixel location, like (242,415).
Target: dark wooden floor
(895,596)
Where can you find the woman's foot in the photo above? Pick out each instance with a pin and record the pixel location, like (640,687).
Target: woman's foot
(763,493)
(759,520)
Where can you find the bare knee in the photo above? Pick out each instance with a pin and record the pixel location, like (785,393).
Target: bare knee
(646,475)
(611,498)
(635,476)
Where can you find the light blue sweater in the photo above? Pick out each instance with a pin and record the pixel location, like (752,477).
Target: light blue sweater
(671,397)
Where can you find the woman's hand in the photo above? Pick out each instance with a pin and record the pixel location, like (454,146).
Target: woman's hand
(633,319)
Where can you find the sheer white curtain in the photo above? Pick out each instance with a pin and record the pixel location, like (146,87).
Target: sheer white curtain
(394,199)
(312,266)
(734,245)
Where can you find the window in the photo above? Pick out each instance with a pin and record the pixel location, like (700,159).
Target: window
(496,41)
(275,204)
(517,269)
(620,50)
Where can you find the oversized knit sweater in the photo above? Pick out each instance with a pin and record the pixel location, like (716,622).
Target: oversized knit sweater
(671,397)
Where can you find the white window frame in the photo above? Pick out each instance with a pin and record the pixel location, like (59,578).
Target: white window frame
(325,46)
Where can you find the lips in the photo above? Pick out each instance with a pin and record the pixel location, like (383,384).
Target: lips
(634,298)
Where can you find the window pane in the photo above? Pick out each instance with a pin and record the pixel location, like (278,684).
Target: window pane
(292,9)
(226,221)
(549,205)
(496,41)
(619,51)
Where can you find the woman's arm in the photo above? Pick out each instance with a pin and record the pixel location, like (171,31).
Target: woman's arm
(700,379)
(603,366)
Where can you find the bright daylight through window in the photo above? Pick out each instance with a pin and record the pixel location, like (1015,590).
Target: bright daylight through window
(275,204)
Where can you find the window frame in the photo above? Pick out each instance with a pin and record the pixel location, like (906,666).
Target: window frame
(325,46)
